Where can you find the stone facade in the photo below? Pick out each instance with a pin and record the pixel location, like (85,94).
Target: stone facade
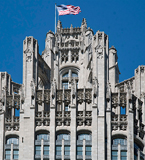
(71,104)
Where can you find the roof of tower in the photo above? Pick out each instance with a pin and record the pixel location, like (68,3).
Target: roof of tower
(89,29)
(50,32)
(112,47)
(84,22)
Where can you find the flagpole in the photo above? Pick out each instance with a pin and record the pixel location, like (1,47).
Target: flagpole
(55,17)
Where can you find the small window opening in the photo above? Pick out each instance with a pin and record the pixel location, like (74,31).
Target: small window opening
(17,112)
(122,110)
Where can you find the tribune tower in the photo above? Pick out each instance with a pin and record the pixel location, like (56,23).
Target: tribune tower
(71,105)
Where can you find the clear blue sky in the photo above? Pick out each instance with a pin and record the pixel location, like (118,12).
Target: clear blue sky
(122,20)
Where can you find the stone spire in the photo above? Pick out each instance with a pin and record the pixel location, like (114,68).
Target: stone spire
(59,26)
(84,24)
(71,29)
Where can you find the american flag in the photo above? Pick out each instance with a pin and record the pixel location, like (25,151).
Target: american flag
(68,9)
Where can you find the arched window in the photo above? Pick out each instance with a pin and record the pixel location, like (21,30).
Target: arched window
(88,146)
(65,78)
(12,150)
(120,141)
(121,152)
(12,140)
(62,137)
(42,147)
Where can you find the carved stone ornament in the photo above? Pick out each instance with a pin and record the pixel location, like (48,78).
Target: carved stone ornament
(95,86)
(73,87)
(28,53)
(32,85)
(22,93)
(142,69)
(53,87)
(99,51)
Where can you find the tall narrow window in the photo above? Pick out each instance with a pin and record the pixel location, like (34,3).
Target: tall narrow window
(123,110)
(38,150)
(67,150)
(15,154)
(17,112)
(46,150)
(123,155)
(114,155)
(80,150)
(58,150)
(88,150)
(7,154)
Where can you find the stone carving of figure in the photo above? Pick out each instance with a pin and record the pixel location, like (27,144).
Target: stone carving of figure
(95,87)
(22,93)
(33,87)
(53,87)
(73,87)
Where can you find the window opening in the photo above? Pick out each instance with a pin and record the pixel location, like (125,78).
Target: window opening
(12,140)
(7,154)
(88,150)
(80,150)
(84,136)
(66,108)
(38,150)
(65,85)
(65,75)
(67,150)
(46,150)
(42,136)
(123,110)
(119,140)
(15,154)
(58,150)
(123,155)
(74,74)
(17,112)
(114,155)
(63,136)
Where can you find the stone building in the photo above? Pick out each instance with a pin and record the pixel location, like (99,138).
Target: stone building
(71,105)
